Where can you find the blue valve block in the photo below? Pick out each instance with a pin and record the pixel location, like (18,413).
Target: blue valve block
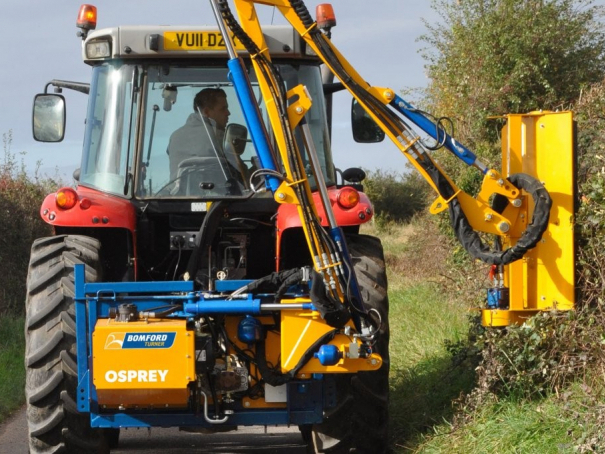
(497,298)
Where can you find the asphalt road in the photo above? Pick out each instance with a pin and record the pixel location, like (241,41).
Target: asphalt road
(275,440)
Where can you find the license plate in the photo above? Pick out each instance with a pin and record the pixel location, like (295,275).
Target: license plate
(197,41)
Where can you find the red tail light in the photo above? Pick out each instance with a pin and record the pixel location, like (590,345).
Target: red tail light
(66,198)
(85,203)
(348,197)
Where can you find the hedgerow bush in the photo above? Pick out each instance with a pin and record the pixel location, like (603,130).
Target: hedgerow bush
(396,197)
(590,216)
(545,354)
(493,57)
(497,57)
(553,349)
(20,224)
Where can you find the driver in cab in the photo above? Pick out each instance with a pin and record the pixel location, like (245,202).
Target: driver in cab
(203,133)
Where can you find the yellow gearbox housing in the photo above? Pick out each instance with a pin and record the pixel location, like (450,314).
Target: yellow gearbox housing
(143,364)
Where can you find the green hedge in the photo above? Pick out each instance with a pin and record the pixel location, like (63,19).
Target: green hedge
(396,196)
(20,224)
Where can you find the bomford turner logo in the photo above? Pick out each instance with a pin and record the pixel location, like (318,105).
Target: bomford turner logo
(122,341)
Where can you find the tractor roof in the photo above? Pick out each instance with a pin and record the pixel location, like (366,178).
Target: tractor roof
(155,42)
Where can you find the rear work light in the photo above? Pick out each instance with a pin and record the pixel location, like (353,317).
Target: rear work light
(66,198)
(347,197)
(98,49)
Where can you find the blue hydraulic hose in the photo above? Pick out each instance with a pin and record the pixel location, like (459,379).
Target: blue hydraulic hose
(424,123)
(247,101)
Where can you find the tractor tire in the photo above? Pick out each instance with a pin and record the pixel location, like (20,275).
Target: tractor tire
(359,421)
(54,423)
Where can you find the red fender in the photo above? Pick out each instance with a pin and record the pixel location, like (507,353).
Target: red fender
(287,214)
(92,209)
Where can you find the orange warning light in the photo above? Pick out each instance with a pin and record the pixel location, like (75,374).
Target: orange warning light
(87,17)
(325,17)
(348,197)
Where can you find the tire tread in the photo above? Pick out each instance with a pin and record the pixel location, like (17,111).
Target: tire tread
(359,421)
(54,423)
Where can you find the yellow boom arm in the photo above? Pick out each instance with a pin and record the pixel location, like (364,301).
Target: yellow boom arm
(469,215)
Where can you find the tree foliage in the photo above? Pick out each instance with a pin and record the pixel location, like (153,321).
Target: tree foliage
(492,57)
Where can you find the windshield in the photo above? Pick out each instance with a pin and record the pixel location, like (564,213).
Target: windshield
(112,107)
(191,141)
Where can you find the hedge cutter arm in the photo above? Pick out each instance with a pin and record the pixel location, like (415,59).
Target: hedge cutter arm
(499,208)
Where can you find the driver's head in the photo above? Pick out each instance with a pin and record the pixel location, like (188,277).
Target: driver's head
(212,102)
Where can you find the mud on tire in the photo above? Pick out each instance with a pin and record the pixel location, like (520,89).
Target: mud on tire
(359,422)
(54,423)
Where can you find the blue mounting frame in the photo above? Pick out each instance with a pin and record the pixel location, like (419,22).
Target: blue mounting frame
(306,399)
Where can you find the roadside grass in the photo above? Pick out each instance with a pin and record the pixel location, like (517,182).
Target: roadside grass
(428,409)
(424,380)
(12,371)
(570,422)
(424,315)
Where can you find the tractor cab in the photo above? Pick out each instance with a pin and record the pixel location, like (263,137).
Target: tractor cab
(155,158)
(142,91)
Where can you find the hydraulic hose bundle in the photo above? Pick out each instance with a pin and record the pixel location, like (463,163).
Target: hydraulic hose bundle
(530,237)
(322,247)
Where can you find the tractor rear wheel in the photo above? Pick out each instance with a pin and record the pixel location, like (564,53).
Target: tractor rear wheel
(359,421)
(54,423)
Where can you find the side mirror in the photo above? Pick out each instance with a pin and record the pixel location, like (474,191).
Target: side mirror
(365,129)
(48,120)
(236,137)
(354,175)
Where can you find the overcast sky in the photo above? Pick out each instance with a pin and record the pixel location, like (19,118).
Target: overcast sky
(380,41)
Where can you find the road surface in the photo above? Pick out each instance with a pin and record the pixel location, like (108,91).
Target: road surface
(276,440)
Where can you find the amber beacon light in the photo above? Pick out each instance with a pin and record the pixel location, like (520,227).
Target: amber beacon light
(87,19)
(348,197)
(325,17)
